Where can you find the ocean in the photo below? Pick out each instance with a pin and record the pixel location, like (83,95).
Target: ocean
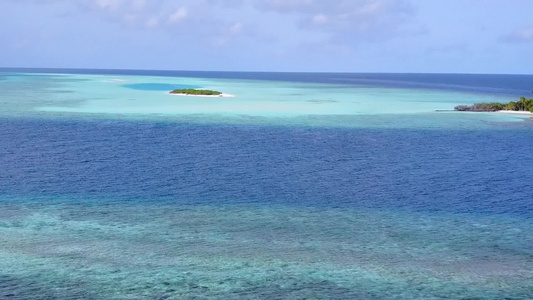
(303,186)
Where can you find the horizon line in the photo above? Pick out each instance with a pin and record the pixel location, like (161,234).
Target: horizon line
(226,71)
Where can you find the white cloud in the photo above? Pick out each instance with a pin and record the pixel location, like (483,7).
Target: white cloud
(278,23)
(109,5)
(521,35)
(115,5)
(179,15)
(320,19)
(139,4)
(370,7)
(236,29)
(138,13)
(152,22)
(368,20)
(227,35)
(286,5)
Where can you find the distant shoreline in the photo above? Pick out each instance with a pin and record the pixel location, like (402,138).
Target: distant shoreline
(512,112)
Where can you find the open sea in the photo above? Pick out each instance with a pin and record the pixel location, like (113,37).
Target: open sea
(303,186)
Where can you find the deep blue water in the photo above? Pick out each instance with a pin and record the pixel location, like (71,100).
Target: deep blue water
(453,171)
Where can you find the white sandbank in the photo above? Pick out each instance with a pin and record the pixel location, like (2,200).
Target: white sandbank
(223,95)
(515,112)
(115,80)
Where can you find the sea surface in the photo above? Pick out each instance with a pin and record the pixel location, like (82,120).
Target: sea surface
(303,186)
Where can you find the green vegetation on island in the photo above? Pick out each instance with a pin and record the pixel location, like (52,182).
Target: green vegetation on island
(196,92)
(521,105)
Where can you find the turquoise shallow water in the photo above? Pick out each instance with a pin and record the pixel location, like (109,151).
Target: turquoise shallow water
(118,250)
(256,102)
(303,186)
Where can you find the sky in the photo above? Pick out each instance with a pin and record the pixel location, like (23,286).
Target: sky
(405,36)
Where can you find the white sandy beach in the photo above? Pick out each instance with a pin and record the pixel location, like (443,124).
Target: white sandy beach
(512,112)
(223,95)
(515,112)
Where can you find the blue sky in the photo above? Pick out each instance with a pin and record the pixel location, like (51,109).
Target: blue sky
(450,36)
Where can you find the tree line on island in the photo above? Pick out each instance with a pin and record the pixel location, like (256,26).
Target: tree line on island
(523,104)
(196,92)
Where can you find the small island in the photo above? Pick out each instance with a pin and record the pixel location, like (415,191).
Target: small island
(522,106)
(198,93)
